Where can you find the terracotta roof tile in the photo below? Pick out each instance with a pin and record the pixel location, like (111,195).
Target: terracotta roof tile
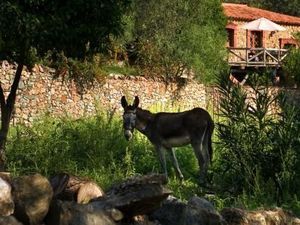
(247,13)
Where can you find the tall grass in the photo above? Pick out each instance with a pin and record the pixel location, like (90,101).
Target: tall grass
(92,146)
(95,147)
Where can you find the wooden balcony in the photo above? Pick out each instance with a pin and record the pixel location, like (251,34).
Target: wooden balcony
(256,57)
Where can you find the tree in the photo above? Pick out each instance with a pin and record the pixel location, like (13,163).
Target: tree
(176,35)
(30,28)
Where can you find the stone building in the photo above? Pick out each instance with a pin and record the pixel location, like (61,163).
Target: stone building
(262,47)
(239,14)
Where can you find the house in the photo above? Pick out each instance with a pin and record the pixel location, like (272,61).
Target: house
(258,48)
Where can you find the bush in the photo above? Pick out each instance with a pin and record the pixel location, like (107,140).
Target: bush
(258,145)
(291,65)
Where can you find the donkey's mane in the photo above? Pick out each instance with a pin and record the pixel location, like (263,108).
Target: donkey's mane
(145,114)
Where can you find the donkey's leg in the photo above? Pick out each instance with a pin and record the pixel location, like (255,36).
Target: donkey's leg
(201,154)
(206,151)
(179,175)
(201,160)
(162,158)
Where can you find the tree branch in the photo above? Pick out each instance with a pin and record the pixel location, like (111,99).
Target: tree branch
(2,97)
(14,87)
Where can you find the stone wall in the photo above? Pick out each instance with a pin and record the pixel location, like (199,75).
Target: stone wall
(39,93)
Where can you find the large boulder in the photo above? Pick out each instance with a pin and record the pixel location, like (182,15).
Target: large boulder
(72,213)
(171,212)
(197,211)
(136,196)
(32,196)
(6,200)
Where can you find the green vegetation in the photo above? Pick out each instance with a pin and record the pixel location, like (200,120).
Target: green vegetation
(79,37)
(176,36)
(292,65)
(93,147)
(256,150)
(29,30)
(257,160)
(256,157)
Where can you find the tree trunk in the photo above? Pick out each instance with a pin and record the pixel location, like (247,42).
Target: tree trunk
(7,107)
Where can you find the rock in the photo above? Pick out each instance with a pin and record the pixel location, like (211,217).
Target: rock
(5,65)
(132,197)
(143,220)
(136,196)
(89,191)
(73,188)
(234,216)
(32,196)
(201,212)
(197,211)
(6,200)
(171,212)
(6,176)
(9,220)
(72,213)
(278,216)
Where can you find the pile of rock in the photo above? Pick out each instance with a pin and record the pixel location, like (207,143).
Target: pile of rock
(144,200)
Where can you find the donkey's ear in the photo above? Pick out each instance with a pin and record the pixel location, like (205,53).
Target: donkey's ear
(136,102)
(124,102)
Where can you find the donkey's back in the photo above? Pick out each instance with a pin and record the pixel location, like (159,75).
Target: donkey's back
(179,129)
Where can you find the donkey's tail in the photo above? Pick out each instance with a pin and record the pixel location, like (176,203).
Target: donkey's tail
(209,132)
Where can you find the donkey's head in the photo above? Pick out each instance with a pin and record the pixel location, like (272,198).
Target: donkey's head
(129,116)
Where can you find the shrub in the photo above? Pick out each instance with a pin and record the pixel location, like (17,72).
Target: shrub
(257,149)
(292,65)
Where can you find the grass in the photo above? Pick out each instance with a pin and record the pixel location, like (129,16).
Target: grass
(116,69)
(94,147)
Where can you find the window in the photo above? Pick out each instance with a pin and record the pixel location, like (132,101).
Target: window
(288,43)
(231,29)
(230,37)
(256,39)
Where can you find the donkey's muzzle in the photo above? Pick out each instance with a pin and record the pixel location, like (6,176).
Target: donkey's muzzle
(128,134)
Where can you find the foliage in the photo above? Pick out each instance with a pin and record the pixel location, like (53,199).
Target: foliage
(88,146)
(290,7)
(181,35)
(116,69)
(93,147)
(31,28)
(258,145)
(291,64)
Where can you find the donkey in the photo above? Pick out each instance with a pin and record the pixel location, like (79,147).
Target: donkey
(167,130)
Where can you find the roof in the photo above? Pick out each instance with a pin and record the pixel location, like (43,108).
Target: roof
(247,13)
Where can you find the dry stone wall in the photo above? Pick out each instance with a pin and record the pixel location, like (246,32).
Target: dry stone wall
(39,93)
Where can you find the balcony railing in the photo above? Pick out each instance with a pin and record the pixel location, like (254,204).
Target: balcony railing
(259,57)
